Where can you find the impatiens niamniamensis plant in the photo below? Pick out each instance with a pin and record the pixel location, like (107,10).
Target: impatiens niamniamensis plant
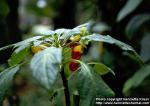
(58,55)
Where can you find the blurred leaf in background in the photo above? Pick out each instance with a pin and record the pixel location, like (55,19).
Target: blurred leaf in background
(136,80)
(135,23)
(145,48)
(4,8)
(6,78)
(129,7)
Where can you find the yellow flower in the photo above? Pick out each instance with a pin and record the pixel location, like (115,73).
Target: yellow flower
(38,48)
(78,48)
(75,38)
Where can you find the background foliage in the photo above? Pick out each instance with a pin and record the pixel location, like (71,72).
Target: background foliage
(125,20)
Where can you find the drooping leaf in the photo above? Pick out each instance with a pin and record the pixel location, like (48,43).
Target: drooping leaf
(107,39)
(129,7)
(6,47)
(136,79)
(84,25)
(85,69)
(134,56)
(101,68)
(24,42)
(90,85)
(110,40)
(19,54)
(135,23)
(6,77)
(45,66)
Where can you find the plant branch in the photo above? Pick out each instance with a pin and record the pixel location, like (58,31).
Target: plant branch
(66,89)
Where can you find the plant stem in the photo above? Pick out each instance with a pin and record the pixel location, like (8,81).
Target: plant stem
(66,89)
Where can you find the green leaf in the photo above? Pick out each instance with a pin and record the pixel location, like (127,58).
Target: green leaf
(6,47)
(135,23)
(136,79)
(134,56)
(6,77)
(61,31)
(88,24)
(101,68)
(59,99)
(45,66)
(19,54)
(68,33)
(65,34)
(90,85)
(84,28)
(24,42)
(67,71)
(66,54)
(110,40)
(66,60)
(145,48)
(129,7)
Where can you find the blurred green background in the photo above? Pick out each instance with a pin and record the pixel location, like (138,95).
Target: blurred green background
(125,20)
